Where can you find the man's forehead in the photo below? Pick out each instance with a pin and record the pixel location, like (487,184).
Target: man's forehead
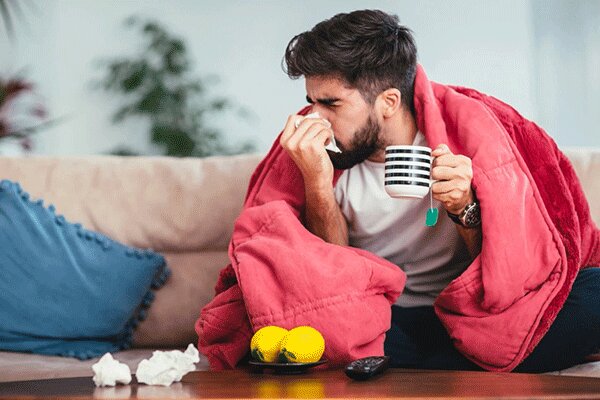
(327,86)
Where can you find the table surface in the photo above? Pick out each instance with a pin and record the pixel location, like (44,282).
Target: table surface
(394,383)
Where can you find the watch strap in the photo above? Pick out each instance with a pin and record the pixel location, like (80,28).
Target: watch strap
(455,218)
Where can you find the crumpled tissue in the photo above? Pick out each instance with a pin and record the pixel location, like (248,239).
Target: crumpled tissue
(332,145)
(109,372)
(166,367)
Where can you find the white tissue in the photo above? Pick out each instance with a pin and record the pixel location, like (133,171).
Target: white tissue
(109,372)
(166,367)
(331,146)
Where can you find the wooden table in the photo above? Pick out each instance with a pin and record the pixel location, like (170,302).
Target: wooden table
(395,383)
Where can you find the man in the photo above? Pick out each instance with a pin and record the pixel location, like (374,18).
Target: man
(360,70)
(500,284)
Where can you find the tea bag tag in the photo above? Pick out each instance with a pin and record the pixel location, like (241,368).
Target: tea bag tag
(432,213)
(432,217)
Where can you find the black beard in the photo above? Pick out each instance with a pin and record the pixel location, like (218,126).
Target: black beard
(366,141)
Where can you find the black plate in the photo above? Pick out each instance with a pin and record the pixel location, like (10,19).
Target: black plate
(286,368)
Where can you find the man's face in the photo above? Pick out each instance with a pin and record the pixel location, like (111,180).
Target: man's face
(357,131)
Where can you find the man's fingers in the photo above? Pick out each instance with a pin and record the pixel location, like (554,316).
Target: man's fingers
(315,137)
(440,150)
(443,173)
(308,128)
(446,160)
(451,160)
(449,198)
(290,128)
(443,187)
(324,136)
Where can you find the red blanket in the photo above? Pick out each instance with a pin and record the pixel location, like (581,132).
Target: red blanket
(537,233)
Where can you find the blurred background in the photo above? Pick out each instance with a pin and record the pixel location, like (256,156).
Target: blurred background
(200,77)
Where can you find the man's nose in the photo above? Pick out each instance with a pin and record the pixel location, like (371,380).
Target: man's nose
(322,110)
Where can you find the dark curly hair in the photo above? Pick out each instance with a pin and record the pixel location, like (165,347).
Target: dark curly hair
(368,49)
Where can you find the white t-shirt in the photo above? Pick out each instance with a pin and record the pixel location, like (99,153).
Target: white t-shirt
(395,229)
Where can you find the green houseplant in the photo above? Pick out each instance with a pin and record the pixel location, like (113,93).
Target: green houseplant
(156,84)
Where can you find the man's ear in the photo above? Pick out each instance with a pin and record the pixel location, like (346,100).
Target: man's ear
(391,102)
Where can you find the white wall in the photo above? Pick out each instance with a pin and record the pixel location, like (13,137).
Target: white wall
(567,70)
(487,44)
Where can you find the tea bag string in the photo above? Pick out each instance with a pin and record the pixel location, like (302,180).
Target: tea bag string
(432,213)
(431,196)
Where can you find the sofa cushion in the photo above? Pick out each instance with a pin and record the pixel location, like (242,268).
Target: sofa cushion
(65,290)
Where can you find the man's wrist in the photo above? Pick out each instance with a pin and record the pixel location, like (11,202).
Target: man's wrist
(468,216)
(470,199)
(318,188)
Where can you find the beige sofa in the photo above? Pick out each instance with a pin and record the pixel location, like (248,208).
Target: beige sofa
(183,208)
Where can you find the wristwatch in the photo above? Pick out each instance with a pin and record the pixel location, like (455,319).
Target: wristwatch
(470,217)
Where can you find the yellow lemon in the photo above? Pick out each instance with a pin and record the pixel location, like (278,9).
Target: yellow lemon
(266,342)
(303,344)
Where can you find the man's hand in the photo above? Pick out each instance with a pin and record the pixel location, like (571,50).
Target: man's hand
(453,173)
(306,146)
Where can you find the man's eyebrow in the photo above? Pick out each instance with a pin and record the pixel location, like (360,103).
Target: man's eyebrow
(327,101)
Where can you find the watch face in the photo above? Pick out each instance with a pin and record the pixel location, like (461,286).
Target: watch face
(472,216)
(472,219)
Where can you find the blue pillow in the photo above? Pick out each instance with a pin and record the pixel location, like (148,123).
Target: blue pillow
(65,290)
